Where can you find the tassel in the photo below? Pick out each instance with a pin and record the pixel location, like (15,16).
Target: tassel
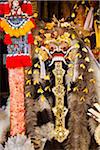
(30,38)
(91,22)
(88,19)
(6,8)
(42,70)
(7,39)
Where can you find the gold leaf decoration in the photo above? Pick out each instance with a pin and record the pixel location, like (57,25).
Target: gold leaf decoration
(36,82)
(30,72)
(43,55)
(50,25)
(47,35)
(40,90)
(77,45)
(28,82)
(80,77)
(73,36)
(42,98)
(75,6)
(73,15)
(37,65)
(92,80)
(85,90)
(70,65)
(87,40)
(37,50)
(47,77)
(82,66)
(66,34)
(47,88)
(35,42)
(68,88)
(36,71)
(82,99)
(84,49)
(87,59)
(28,94)
(83,2)
(78,55)
(38,38)
(90,70)
(75,89)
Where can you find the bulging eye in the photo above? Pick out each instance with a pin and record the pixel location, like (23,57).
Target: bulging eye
(51,48)
(64,48)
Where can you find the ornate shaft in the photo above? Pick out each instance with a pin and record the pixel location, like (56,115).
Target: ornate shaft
(59,110)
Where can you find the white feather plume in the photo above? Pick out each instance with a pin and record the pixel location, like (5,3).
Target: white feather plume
(19,142)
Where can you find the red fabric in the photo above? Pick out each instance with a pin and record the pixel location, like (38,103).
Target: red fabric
(27,8)
(24,7)
(18,61)
(7,39)
(30,38)
(6,8)
(1,9)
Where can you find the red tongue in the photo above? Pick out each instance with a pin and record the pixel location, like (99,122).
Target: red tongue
(58,55)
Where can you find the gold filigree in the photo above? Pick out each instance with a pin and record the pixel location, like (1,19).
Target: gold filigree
(60,111)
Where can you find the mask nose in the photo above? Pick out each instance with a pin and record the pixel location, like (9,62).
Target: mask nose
(58,49)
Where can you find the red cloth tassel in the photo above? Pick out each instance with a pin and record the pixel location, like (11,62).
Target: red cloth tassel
(30,38)
(6,8)
(18,61)
(27,8)
(7,39)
